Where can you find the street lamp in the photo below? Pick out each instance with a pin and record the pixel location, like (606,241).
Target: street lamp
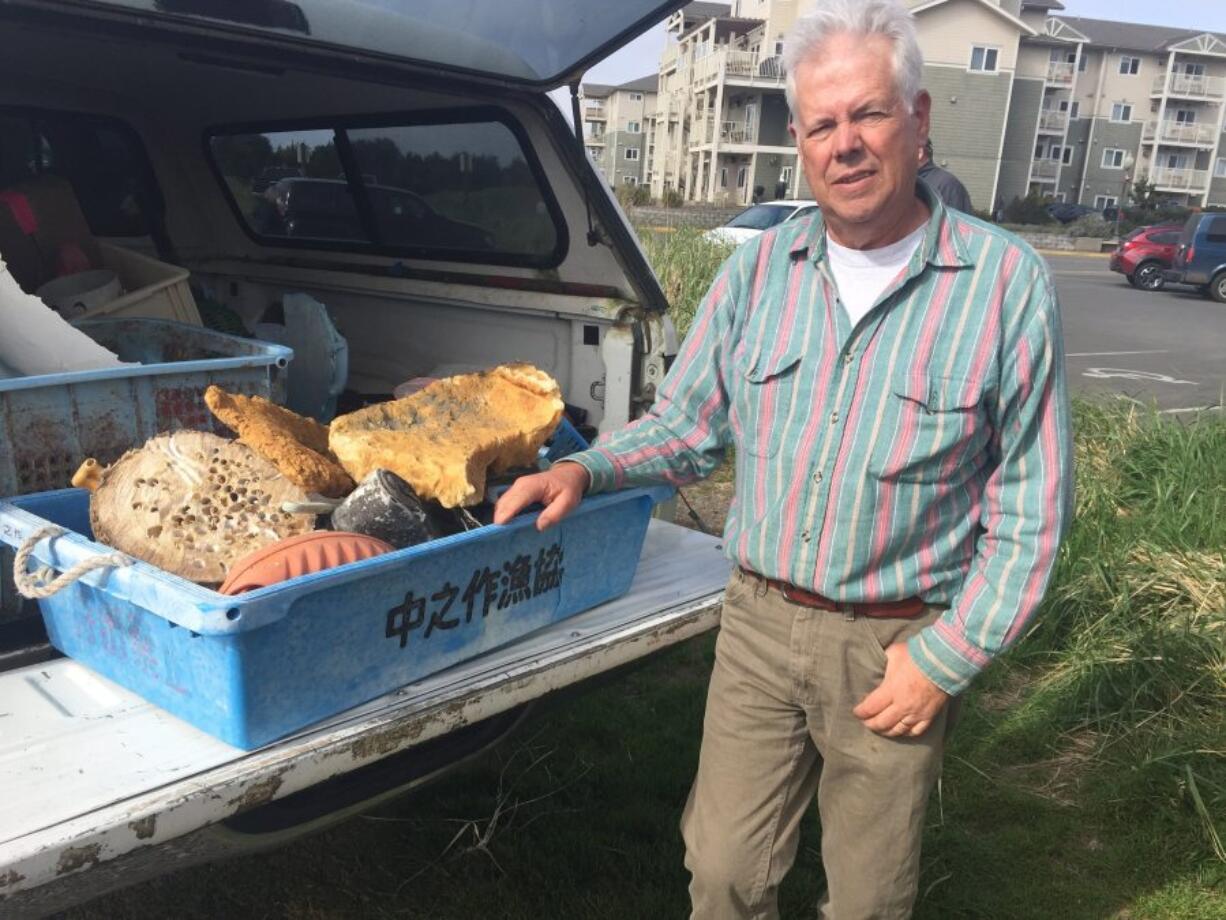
(1128,162)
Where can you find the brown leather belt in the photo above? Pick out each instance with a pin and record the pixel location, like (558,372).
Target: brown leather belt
(907,607)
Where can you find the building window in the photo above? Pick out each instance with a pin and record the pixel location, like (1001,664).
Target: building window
(636,97)
(1188,69)
(1129,64)
(1054,152)
(634,127)
(1082,62)
(1185,116)
(742,176)
(1067,157)
(632,153)
(983,59)
(785,174)
(1219,168)
(1113,158)
(1074,109)
(630,180)
(1104,201)
(1121,111)
(1060,196)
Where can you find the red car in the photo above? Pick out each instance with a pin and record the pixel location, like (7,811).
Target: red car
(1145,254)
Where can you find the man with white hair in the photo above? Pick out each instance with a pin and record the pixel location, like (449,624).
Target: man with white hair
(890,374)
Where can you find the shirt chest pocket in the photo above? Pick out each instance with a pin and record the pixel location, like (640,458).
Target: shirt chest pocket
(940,434)
(766,389)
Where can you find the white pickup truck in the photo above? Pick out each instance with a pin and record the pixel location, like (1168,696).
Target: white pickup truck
(400,162)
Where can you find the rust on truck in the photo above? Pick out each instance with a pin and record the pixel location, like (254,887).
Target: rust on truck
(75,858)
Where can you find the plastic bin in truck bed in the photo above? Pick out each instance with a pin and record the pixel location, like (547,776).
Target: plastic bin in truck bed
(52,422)
(253,667)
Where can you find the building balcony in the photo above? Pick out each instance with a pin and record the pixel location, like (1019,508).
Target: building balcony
(1061,73)
(1053,122)
(1166,179)
(754,68)
(1175,132)
(1044,170)
(1187,86)
(594,141)
(737,132)
(743,67)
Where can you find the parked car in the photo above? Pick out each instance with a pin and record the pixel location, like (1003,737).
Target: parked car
(325,209)
(756,218)
(1200,258)
(271,175)
(1145,254)
(1068,211)
(201,102)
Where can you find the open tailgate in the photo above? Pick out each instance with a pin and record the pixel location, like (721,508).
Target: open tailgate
(91,772)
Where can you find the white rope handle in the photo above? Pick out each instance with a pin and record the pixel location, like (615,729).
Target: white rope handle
(43,582)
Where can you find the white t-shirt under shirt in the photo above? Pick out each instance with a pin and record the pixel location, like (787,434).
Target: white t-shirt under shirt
(862,274)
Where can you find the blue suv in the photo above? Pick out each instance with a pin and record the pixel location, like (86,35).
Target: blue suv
(1200,259)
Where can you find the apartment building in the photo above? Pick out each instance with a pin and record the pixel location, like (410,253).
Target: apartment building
(1024,98)
(615,121)
(1112,102)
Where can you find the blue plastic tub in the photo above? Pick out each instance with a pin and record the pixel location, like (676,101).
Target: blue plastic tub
(254,667)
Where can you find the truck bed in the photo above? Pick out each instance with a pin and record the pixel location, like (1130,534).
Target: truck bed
(91,772)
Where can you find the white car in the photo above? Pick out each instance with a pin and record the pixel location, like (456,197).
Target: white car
(756,218)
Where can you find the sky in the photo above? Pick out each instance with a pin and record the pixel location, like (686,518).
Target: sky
(642,56)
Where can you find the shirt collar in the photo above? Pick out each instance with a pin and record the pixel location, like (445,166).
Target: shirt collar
(943,246)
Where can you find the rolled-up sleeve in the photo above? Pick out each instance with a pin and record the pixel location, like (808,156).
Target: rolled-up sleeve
(682,437)
(1027,500)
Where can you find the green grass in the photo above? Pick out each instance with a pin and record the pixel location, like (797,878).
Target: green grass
(1087,778)
(685,262)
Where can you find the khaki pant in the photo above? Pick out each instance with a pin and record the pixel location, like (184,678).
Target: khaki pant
(779,729)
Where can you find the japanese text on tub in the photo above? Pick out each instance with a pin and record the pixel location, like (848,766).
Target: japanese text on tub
(514,582)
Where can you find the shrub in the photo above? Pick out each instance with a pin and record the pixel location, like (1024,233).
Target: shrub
(673,198)
(685,261)
(1091,225)
(1144,217)
(633,195)
(1029,210)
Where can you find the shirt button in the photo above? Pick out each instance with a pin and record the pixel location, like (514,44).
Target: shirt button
(817,477)
(834,417)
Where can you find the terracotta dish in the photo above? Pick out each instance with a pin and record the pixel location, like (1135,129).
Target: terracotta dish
(300,555)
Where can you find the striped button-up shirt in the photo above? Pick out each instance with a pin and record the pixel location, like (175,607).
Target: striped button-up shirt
(924,451)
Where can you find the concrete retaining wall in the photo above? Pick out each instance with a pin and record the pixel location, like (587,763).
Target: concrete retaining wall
(702,216)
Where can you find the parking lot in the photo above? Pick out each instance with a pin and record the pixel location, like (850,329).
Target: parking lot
(1166,347)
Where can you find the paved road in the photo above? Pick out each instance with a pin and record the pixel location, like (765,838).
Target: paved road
(1167,347)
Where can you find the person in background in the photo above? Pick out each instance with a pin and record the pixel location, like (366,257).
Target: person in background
(890,374)
(948,187)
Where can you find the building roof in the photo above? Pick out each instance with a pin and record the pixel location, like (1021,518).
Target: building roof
(1042,5)
(988,5)
(1134,35)
(700,10)
(725,27)
(647,84)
